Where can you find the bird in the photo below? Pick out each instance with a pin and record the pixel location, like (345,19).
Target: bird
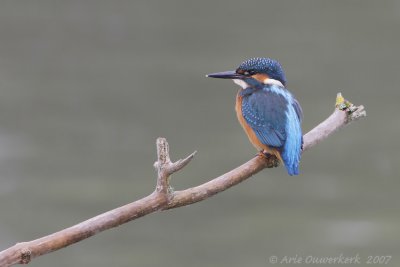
(268,112)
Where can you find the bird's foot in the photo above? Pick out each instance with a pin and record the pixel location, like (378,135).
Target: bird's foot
(271,160)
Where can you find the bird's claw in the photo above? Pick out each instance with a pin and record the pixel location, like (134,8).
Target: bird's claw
(271,160)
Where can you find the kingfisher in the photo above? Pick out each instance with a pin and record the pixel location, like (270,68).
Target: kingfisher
(269,114)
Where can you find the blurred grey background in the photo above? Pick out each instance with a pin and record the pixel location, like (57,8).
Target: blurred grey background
(86,87)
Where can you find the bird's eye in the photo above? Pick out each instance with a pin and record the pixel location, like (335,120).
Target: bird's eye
(249,72)
(245,72)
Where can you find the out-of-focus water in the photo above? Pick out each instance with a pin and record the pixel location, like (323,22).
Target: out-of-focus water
(87,87)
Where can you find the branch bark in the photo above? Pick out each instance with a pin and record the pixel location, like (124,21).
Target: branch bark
(164,197)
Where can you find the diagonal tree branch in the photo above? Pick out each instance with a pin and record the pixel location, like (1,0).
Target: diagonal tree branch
(164,197)
(345,112)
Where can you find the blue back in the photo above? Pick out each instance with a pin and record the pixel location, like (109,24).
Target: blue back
(275,117)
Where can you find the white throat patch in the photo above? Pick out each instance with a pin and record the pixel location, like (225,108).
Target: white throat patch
(241,83)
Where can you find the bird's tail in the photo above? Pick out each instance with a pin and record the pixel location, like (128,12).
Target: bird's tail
(291,151)
(292,169)
(291,156)
(291,164)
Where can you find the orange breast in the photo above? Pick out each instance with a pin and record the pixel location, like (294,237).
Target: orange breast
(249,131)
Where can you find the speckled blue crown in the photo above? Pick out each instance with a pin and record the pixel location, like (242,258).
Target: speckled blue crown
(267,66)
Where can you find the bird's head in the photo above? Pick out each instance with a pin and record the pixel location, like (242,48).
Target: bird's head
(263,70)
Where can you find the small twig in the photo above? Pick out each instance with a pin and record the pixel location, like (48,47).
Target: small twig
(181,163)
(345,113)
(164,198)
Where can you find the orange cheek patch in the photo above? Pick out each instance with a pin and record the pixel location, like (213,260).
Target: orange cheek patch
(260,77)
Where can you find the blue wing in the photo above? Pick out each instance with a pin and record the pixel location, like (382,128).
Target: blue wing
(298,109)
(275,117)
(264,111)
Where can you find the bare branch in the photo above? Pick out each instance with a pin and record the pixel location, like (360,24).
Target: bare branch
(163,163)
(344,114)
(181,163)
(164,198)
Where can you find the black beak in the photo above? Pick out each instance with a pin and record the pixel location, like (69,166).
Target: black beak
(231,74)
